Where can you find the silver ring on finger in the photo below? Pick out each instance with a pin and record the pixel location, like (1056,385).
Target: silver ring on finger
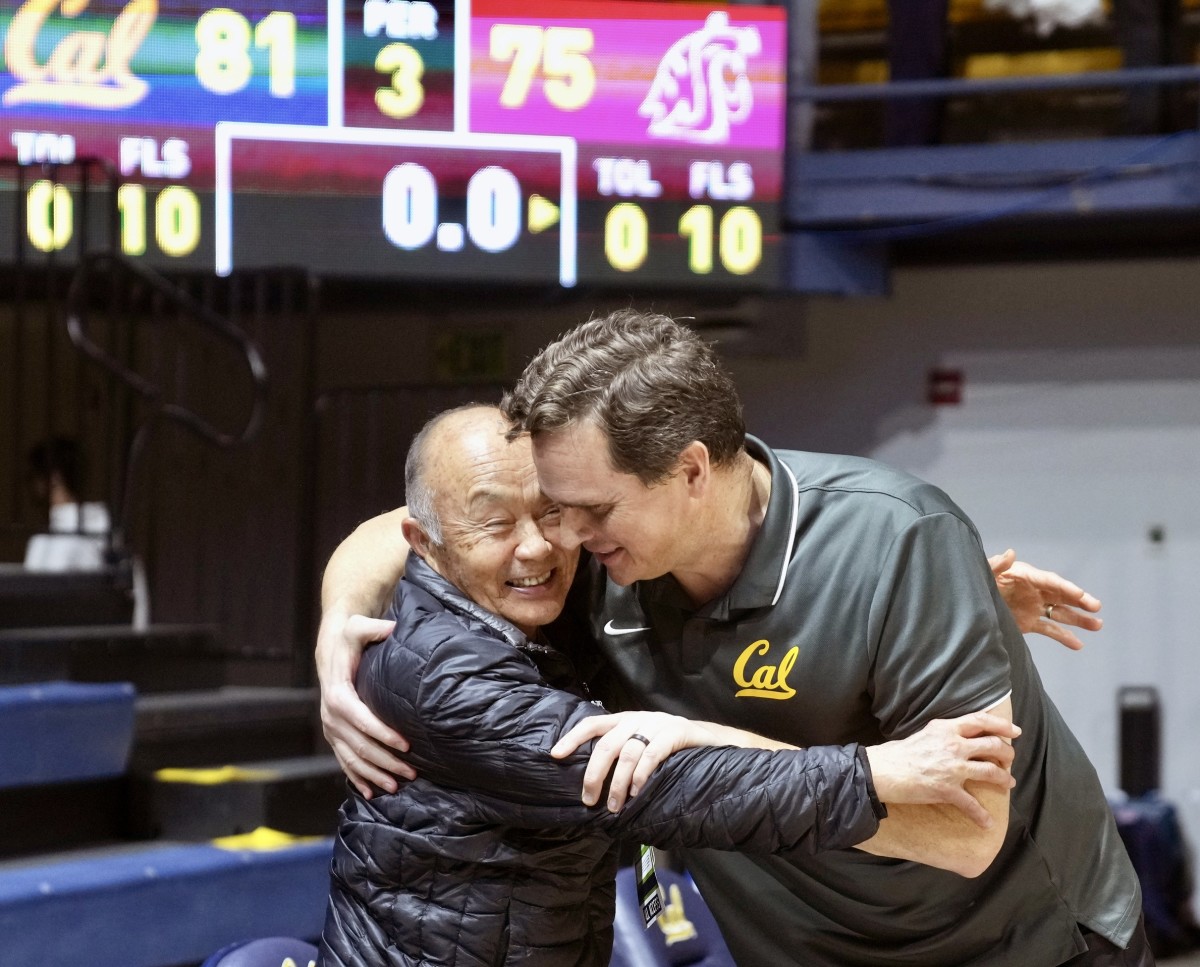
(639,737)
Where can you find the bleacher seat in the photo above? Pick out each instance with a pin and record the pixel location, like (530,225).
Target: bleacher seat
(265,952)
(37,599)
(686,932)
(160,658)
(160,904)
(64,731)
(298,795)
(230,724)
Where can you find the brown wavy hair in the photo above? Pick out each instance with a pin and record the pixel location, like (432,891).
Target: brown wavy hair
(649,382)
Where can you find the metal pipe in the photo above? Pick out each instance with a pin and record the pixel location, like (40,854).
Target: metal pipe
(959,86)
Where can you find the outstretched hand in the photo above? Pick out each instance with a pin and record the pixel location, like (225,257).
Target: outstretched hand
(1044,602)
(932,765)
(362,743)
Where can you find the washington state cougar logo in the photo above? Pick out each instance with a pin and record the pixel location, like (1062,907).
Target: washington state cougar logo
(701,88)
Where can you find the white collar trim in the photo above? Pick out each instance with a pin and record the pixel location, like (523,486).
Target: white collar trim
(783,567)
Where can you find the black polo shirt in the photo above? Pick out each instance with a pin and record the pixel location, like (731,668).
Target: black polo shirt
(866,608)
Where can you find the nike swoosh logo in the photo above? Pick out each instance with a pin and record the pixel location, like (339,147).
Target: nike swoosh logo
(611,629)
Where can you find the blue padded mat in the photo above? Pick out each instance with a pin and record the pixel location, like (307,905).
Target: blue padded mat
(160,904)
(64,731)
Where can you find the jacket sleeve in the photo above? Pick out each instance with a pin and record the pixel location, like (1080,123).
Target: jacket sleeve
(749,800)
(482,720)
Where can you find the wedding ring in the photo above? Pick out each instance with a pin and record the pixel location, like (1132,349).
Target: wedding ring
(639,737)
(1049,609)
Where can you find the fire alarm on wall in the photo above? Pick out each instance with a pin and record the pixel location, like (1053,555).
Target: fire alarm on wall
(945,386)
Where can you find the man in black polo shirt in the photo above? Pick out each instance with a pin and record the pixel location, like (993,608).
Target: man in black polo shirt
(819,600)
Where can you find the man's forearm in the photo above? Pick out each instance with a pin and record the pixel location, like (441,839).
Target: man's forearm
(941,835)
(938,835)
(364,570)
(728,735)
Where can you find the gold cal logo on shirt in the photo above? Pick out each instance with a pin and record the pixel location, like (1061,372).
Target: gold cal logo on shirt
(86,68)
(767,681)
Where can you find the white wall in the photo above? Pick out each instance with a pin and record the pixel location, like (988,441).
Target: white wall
(1078,433)
(1077,476)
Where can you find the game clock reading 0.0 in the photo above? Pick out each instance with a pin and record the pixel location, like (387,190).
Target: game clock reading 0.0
(557,141)
(442,205)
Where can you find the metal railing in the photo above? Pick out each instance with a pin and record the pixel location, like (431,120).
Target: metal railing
(77,300)
(1139,86)
(170,302)
(46,393)
(1129,77)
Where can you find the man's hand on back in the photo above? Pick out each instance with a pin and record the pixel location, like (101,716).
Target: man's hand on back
(362,743)
(1044,602)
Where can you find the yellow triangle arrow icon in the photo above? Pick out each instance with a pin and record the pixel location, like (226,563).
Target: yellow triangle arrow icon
(542,213)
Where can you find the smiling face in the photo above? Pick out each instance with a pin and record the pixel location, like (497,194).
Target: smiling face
(637,532)
(500,535)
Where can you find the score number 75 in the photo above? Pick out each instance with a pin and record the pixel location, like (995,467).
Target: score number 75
(561,54)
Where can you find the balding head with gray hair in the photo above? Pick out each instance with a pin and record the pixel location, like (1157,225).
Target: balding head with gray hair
(420,492)
(478,517)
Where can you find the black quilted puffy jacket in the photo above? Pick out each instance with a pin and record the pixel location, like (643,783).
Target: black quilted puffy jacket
(489,857)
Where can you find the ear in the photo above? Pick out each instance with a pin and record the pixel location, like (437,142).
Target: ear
(417,539)
(694,467)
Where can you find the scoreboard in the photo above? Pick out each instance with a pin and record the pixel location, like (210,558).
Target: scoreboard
(606,142)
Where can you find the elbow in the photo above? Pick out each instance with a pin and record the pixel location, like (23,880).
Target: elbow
(980,847)
(977,857)
(970,866)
